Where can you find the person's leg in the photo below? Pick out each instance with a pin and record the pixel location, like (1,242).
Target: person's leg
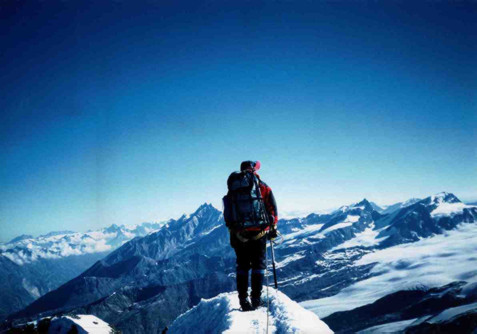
(242,269)
(258,270)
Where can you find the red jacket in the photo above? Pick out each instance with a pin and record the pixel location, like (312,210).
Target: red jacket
(269,200)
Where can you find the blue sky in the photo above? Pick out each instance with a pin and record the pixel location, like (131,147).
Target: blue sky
(123,112)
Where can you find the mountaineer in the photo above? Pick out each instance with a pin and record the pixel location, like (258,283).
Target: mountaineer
(250,213)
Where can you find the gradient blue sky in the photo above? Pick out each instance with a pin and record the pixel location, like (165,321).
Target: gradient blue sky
(126,111)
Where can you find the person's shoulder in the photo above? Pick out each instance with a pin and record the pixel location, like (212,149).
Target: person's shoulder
(264,184)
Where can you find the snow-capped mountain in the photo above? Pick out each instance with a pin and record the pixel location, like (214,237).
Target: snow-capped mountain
(54,245)
(221,314)
(346,259)
(431,260)
(173,237)
(430,216)
(30,267)
(168,262)
(191,254)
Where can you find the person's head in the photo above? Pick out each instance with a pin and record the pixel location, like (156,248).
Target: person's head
(250,166)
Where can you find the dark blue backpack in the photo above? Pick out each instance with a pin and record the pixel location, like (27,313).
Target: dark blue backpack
(243,205)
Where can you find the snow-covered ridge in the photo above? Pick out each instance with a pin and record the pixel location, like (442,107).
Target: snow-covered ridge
(345,208)
(80,323)
(449,209)
(85,323)
(349,220)
(55,245)
(320,226)
(222,314)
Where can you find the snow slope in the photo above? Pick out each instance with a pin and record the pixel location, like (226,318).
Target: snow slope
(450,209)
(85,323)
(429,262)
(222,314)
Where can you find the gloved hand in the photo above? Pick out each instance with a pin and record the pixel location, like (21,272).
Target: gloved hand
(271,219)
(273,233)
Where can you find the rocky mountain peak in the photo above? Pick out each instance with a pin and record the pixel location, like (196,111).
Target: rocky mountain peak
(364,205)
(112,229)
(444,197)
(204,208)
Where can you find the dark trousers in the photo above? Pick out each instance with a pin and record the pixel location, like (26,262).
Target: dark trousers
(250,255)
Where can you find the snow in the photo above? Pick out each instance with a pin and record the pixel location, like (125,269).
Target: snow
(210,231)
(290,259)
(343,208)
(60,245)
(32,290)
(85,323)
(367,238)
(449,209)
(311,233)
(350,219)
(439,198)
(392,327)
(306,231)
(222,314)
(429,262)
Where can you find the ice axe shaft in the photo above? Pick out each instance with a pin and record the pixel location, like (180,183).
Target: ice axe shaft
(273,264)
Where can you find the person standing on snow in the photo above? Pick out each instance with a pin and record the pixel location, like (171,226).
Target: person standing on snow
(250,213)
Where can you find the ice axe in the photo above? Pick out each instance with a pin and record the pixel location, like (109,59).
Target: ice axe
(273,264)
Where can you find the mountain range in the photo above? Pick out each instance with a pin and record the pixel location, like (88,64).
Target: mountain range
(331,263)
(31,267)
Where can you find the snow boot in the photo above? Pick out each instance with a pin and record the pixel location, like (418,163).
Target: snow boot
(257,284)
(257,302)
(245,305)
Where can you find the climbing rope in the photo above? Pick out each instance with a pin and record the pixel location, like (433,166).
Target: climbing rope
(266,274)
(281,238)
(279,235)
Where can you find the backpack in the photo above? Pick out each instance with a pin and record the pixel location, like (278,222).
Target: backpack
(243,206)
